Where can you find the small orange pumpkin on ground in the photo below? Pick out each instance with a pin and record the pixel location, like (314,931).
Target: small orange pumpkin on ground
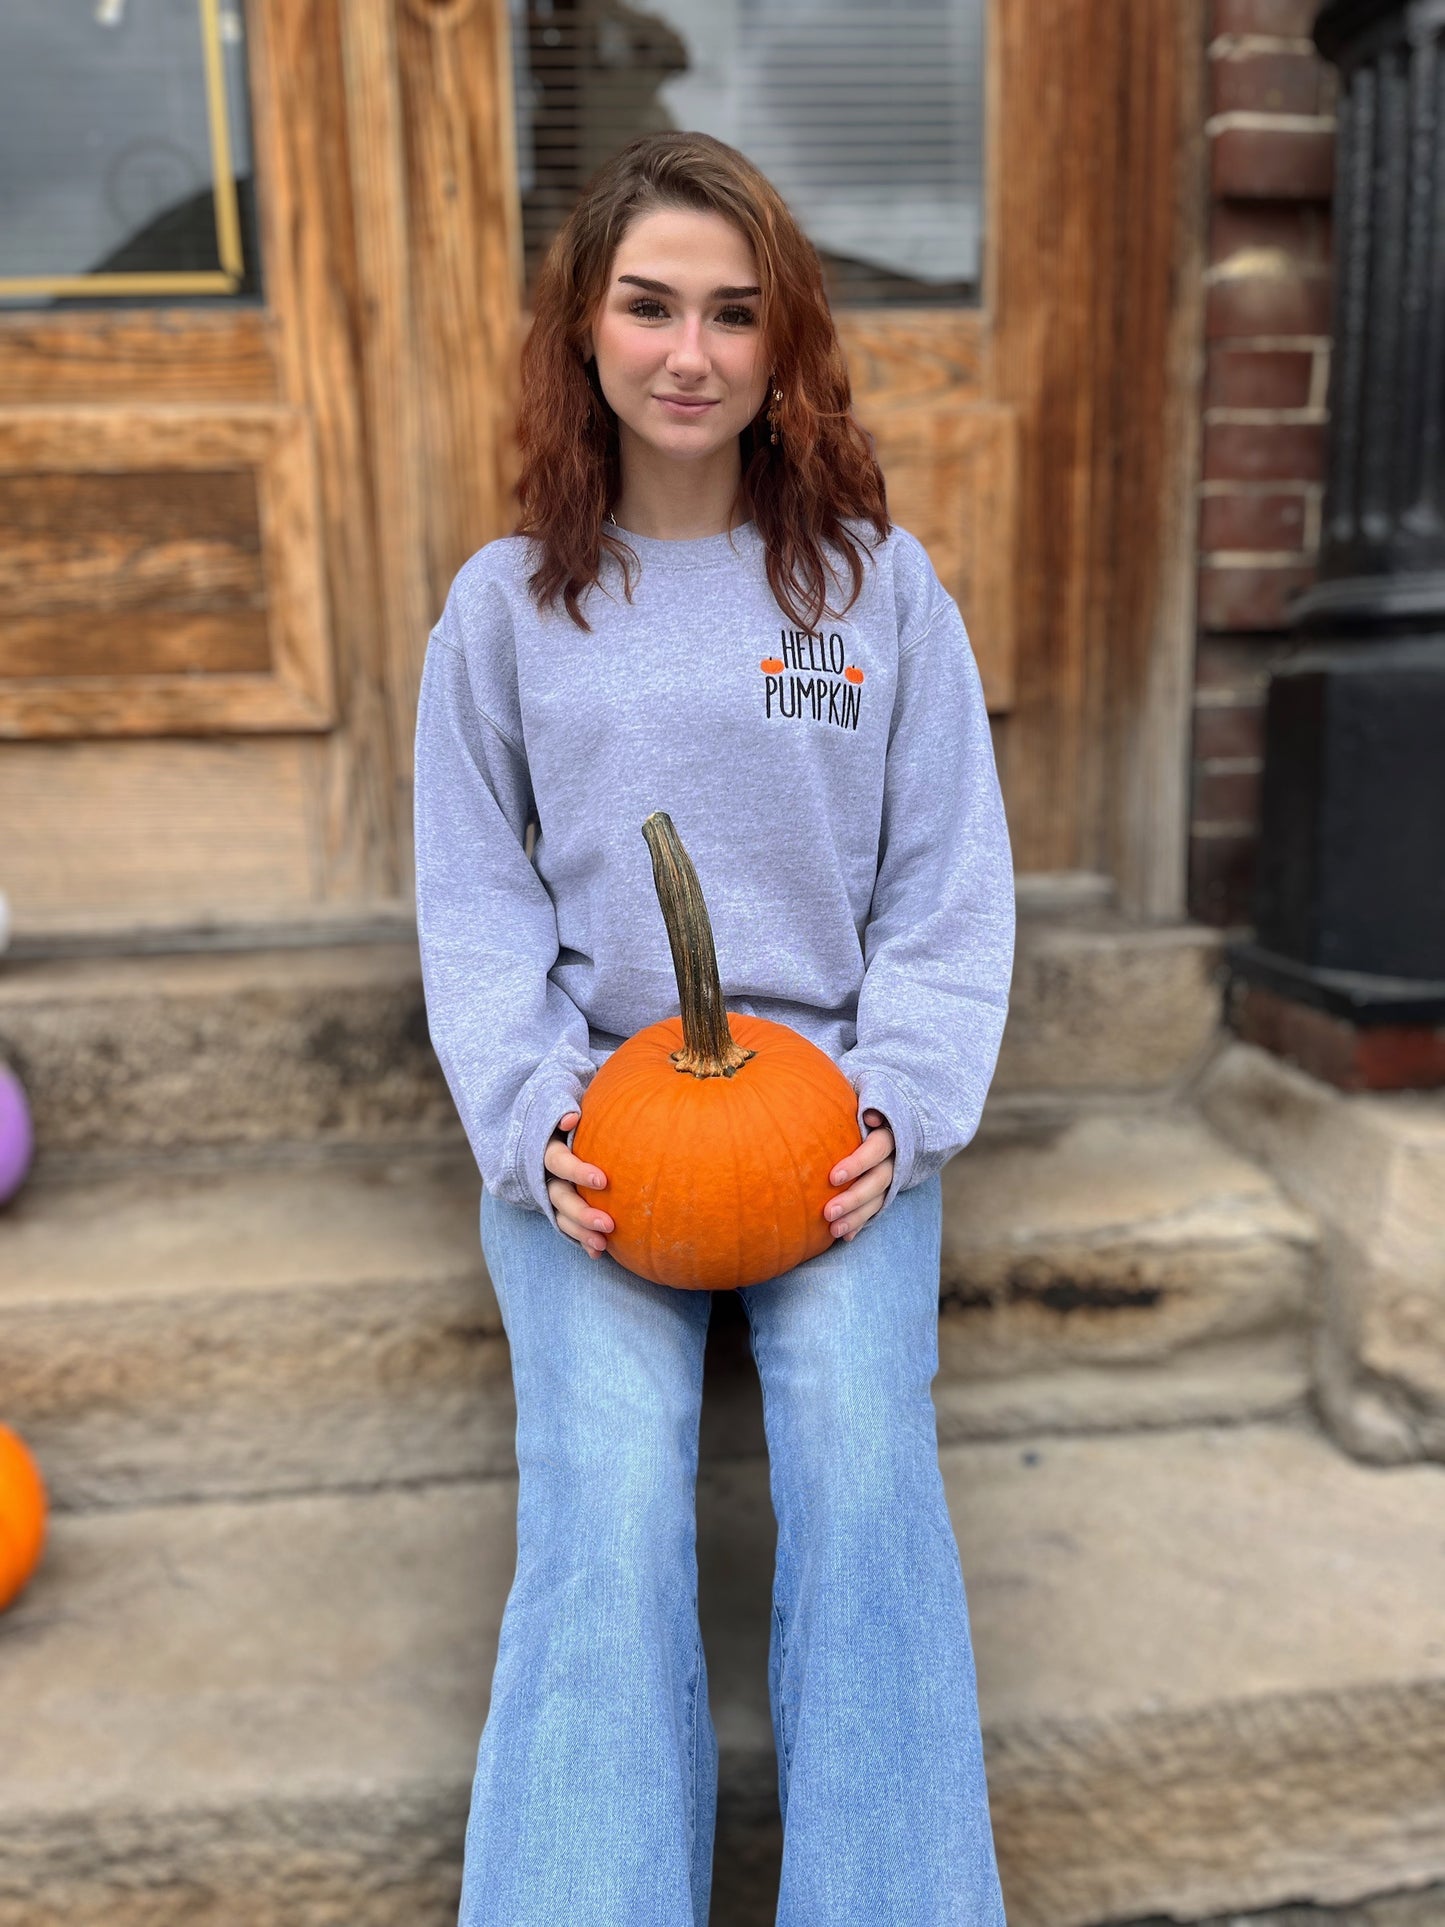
(23,1513)
(717,1135)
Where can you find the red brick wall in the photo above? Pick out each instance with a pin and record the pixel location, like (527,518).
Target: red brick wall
(1271,158)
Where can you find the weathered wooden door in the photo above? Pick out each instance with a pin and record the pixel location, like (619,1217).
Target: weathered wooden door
(216,559)
(242,453)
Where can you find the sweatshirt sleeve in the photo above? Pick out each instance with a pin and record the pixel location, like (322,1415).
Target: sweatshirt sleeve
(512,1045)
(938,945)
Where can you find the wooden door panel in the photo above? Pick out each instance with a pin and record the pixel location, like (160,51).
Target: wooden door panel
(161,572)
(897,356)
(120,354)
(950,458)
(952,475)
(110,833)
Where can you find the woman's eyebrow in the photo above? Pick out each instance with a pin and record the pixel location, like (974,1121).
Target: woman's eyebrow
(661,287)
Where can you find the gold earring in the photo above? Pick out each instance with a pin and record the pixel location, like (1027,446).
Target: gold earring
(773,413)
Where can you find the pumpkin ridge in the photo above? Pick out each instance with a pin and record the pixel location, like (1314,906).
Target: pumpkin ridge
(730,1125)
(784,1136)
(785,1139)
(653,1177)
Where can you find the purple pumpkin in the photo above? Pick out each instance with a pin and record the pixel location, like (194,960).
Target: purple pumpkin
(17,1137)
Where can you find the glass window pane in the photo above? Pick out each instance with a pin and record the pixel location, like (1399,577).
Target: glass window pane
(867,115)
(125,151)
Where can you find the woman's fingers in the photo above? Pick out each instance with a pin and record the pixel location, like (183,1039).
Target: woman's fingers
(575,1215)
(852,1208)
(871,1167)
(877,1145)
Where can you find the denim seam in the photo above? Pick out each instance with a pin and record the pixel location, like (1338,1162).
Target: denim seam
(782,1701)
(787,1747)
(693,1736)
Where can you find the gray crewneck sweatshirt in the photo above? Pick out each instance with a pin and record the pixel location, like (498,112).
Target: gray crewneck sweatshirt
(835,790)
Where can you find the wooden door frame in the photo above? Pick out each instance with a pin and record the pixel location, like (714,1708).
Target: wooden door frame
(439,265)
(1096,258)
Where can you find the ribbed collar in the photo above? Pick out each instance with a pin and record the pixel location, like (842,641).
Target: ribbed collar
(660,555)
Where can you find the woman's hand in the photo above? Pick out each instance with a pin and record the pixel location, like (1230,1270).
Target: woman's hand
(574,1215)
(872,1166)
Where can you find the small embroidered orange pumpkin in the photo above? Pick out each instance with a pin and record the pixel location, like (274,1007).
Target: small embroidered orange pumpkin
(23,1511)
(718,1135)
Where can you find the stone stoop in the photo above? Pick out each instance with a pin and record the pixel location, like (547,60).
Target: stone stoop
(242,1325)
(246,1327)
(1211,1671)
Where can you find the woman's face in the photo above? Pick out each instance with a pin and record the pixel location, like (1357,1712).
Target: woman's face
(679,319)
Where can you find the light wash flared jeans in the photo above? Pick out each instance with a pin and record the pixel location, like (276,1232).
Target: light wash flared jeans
(595,1797)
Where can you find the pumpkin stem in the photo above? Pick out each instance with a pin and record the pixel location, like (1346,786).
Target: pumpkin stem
(709,1047)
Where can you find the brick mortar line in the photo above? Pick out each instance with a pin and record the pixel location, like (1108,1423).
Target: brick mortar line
(1228,698)
(1225,44)
(1257,559)
(1288,486)
(1258,119)
(1266,417)
(1264,344)
(1264,262)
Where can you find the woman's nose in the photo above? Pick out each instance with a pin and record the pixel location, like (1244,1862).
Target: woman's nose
(688,351)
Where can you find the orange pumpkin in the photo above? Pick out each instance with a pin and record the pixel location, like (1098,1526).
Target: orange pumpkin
(23,1511)
(717,1135)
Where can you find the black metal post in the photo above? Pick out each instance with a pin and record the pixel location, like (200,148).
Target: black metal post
(1346,970)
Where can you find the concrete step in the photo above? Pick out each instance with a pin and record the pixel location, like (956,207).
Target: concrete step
(246,1326)
(146,1054)
(149,1055)
(1115,1266)
(1211,1669)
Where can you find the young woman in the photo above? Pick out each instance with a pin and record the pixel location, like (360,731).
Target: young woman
(659,634)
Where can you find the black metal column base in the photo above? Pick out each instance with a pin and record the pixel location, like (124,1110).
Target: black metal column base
(1359,1032)
(1356,995)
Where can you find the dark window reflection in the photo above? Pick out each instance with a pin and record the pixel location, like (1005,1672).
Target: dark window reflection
(125,152)
(866,114)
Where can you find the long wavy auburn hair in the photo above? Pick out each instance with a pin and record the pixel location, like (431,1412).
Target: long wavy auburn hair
(799,490)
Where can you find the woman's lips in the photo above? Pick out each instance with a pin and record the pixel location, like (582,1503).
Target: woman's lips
(679,406)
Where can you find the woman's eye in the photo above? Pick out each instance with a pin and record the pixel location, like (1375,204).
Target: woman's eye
(738,316)
(647,308)
(644,301)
